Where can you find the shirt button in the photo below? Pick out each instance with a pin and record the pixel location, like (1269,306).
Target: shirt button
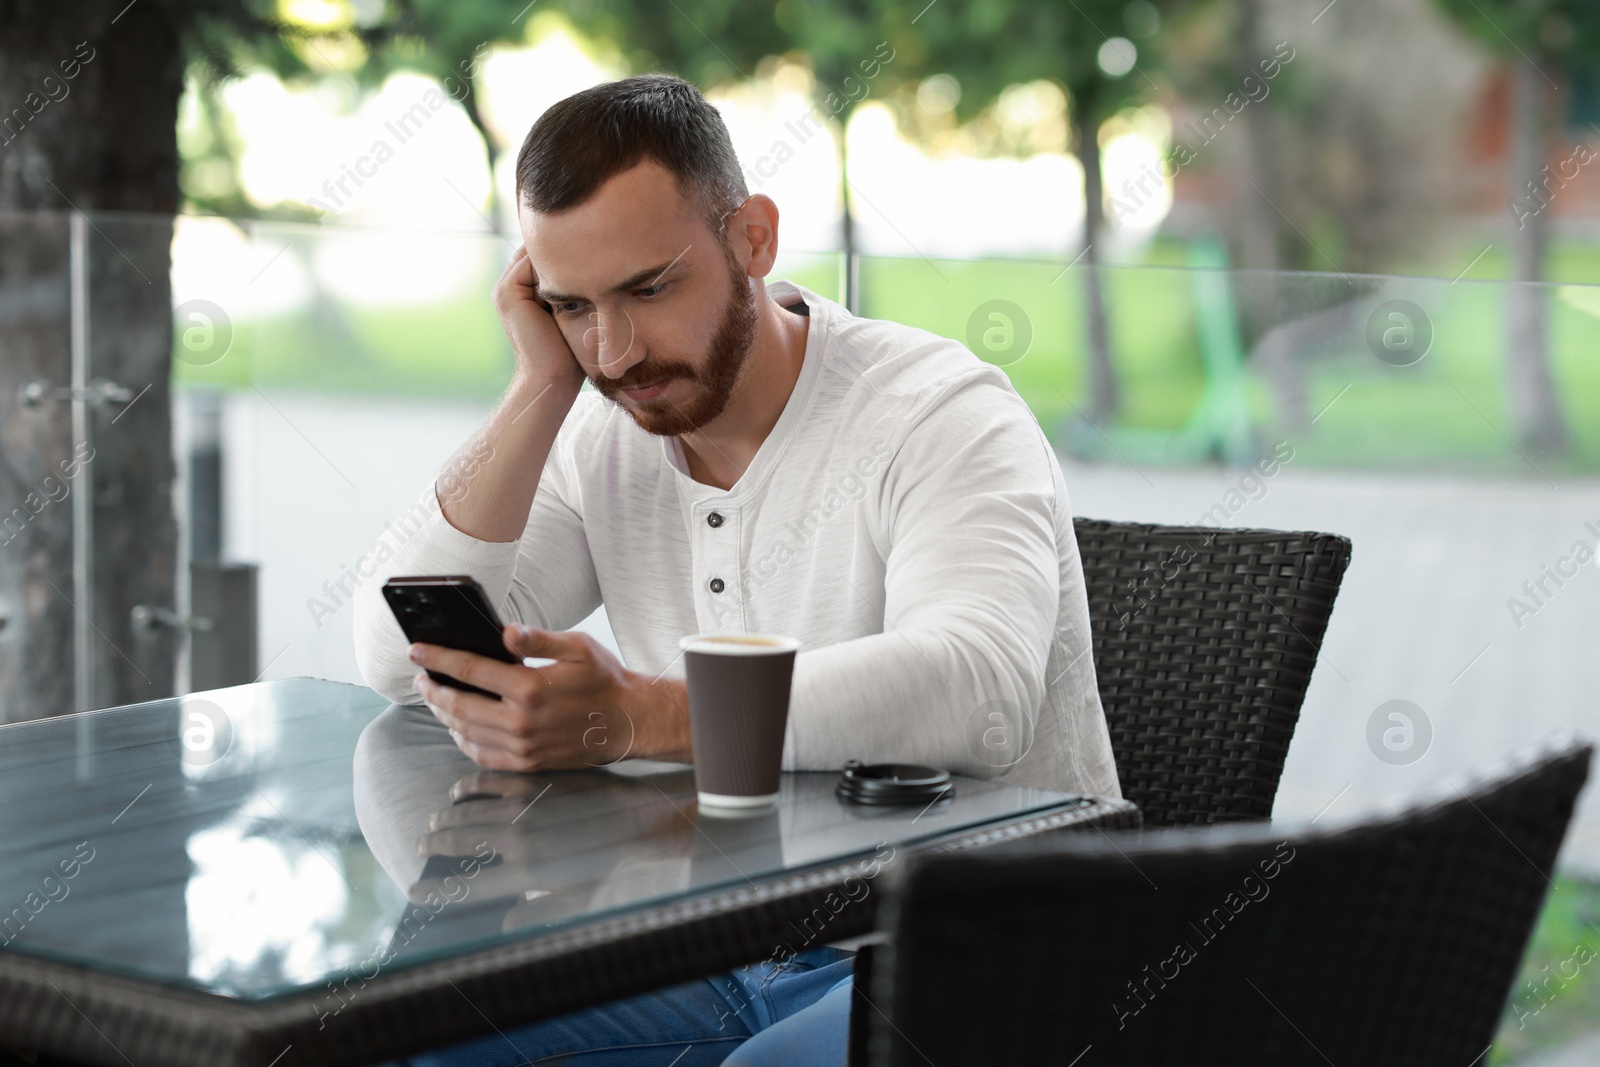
(716,585)
(714,519)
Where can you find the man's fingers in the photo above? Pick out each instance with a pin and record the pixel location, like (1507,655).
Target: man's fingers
(497,812)
(506,679)
(487,737)
(450,704)
(494,759)
(548,644)
(531,745)
(491,784)
(480,719)
(518,265)
(461,710)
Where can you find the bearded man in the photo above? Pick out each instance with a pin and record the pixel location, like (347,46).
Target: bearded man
(751,458)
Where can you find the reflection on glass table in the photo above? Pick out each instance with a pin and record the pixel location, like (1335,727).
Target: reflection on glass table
(294,836)
(225,850)
(482,852)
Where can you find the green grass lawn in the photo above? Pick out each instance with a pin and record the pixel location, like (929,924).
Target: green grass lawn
(1447,411)
(1556,998)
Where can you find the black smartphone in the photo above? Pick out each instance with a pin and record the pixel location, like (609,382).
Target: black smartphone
(449,610)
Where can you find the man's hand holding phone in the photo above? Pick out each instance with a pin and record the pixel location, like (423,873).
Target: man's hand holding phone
(583,710)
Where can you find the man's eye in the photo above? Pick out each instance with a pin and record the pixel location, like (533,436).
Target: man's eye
(567,307)
(649,291)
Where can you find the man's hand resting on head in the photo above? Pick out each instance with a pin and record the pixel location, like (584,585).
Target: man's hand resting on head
(583,710)
(542,353)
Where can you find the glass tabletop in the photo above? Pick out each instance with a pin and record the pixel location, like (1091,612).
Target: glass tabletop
(277,837)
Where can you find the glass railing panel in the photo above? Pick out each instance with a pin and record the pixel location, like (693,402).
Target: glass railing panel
(39,631)
(355,362)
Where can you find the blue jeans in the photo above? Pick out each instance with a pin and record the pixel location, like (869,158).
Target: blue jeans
(791,1015)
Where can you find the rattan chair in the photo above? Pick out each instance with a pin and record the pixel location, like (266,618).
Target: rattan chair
(1204,641)
(1389,940)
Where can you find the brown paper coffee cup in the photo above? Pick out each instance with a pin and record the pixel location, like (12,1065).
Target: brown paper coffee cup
(738,709)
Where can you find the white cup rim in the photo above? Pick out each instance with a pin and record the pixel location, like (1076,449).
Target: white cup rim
(718,644)
(724,804)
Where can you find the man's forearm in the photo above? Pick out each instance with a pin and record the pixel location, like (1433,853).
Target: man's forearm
(659,712)
(487,489)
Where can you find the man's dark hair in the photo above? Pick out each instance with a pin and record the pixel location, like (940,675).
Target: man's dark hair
(593,135)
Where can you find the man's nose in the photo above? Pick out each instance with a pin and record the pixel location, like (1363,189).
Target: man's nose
(610,336)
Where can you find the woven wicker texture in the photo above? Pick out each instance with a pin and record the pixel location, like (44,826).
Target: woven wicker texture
(1204,642)
(1391,941)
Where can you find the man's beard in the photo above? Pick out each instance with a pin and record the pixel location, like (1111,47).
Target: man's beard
(729,349)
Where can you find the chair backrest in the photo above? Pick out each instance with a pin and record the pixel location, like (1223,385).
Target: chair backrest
(1390,940)
(1204,640)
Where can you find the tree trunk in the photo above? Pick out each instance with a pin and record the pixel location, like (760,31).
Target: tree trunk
(1258,223)
(100,141)
(1536,415)
(1259,295)
(851,268)
(469,103)
(1103,399)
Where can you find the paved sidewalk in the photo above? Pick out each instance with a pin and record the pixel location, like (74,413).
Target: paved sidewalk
(1422,616)
(1584,1052)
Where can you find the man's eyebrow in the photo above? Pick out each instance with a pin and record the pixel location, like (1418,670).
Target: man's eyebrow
(632,281)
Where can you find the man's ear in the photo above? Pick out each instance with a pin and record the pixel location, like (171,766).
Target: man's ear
(754,230)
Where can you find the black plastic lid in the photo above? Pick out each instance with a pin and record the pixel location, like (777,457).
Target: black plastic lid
(893,783)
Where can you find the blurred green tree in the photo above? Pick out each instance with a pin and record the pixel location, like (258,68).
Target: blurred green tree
(852,58)
(709,42)
(445,39)
(1544,44)
(714,44)
(349,46)
(1099,51)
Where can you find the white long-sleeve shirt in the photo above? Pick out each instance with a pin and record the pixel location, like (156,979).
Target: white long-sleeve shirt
(906,520)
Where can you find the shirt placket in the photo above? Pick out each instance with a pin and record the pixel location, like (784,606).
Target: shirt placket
(719,592)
